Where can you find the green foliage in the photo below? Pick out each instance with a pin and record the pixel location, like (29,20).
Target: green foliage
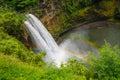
(37,59)
(56,32)
(81,11)
(66,21)
(19,4)
(11,46)
(107,8)
(12,23)
(106,65)
(13,69)
(71,5)
(74,12)
(53,73)
(79,69)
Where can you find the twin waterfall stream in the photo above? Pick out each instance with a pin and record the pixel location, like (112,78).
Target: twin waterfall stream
(44,41)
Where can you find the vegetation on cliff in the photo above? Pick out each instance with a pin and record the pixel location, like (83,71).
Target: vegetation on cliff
(59,16)
(14,66)
(19,63)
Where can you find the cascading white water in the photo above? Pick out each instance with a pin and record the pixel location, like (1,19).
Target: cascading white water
(37,39)
(43,40)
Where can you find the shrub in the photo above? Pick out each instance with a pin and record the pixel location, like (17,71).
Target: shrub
(11,46)
(19,4)
(37,59)
(75,12)
(71,6)
(52,73)
(12,68)
(106,65)
(12,23)
(106,8)
(79,69)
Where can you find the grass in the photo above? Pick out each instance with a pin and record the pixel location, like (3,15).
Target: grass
(103,67)
(13,69)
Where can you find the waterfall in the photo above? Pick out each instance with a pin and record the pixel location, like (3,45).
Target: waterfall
(54,53)
(44,41)
(41,37)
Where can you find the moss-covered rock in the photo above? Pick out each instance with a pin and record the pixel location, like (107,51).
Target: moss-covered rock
(106,8)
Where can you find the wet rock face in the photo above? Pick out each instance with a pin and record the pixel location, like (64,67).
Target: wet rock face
(99,24)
